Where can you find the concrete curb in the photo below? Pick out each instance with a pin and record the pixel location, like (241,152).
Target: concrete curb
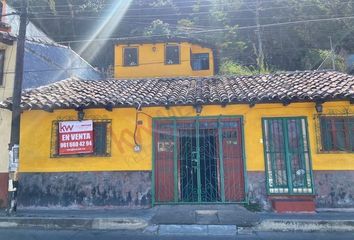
(305,225)
(141,225)
(74,223)
(198,230)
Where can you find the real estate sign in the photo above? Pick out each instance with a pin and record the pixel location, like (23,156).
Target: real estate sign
(75,137)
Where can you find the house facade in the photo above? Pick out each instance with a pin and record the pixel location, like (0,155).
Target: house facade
(282,141)
(163,57)
(44,62)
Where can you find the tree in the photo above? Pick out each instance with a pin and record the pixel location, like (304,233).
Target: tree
(292,35)
(159,28)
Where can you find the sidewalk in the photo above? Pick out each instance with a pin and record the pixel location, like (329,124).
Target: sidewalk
(180,219)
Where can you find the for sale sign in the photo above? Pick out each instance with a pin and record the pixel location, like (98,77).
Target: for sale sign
(75,137)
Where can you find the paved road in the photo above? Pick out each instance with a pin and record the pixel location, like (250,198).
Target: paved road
(33,234)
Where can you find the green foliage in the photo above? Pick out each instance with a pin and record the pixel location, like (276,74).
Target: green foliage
(157,27)
(51,4)
(95,5)
(185,26)
(228,68)
(161,3)
(318,58)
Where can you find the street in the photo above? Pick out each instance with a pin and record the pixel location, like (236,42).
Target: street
(34,234)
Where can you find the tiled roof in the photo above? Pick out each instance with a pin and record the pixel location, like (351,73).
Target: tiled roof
(272,88)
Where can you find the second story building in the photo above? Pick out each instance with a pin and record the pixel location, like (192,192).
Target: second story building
(163,57)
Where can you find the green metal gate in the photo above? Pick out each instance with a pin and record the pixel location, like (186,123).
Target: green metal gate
(198,160)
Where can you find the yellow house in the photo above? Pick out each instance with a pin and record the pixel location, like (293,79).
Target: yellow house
(283,141)
(163,57)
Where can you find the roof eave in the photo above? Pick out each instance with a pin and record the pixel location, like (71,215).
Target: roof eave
(110,107)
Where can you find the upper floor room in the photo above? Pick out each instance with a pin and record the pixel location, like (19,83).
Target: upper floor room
(163,57)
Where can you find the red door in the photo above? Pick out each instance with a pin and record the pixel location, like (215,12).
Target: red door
(232,155)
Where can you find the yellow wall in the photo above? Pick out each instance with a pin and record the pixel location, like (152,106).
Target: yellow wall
(152,63)
(36,134)
(5,116)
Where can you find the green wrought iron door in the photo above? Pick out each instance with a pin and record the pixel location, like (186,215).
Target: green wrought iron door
(198,160)
(188,166)
(287,156)
(198,166)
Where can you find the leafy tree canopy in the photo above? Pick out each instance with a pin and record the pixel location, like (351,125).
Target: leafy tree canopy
(293,34)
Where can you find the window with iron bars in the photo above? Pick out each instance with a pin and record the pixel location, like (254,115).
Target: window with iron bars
(336,133)
(287,156)
(101,144)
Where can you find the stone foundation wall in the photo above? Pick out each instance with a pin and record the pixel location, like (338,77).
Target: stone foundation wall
(334,189)
(85,189)
(94,189)
(257,192)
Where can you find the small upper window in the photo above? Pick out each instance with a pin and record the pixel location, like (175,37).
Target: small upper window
(131,56)
(200,61)
(2,62)
(172,55)
(337,133)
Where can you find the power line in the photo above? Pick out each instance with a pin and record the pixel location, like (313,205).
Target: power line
(179,2)
(211,5)
(175,26)
(144,8)
(177,17)
(58,17)
(9,14)
(151,15)
(215,30)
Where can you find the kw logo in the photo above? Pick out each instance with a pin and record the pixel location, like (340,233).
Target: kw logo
(66,128)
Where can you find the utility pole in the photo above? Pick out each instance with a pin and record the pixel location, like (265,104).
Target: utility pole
(332,54)
(16,110)
(260,57)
